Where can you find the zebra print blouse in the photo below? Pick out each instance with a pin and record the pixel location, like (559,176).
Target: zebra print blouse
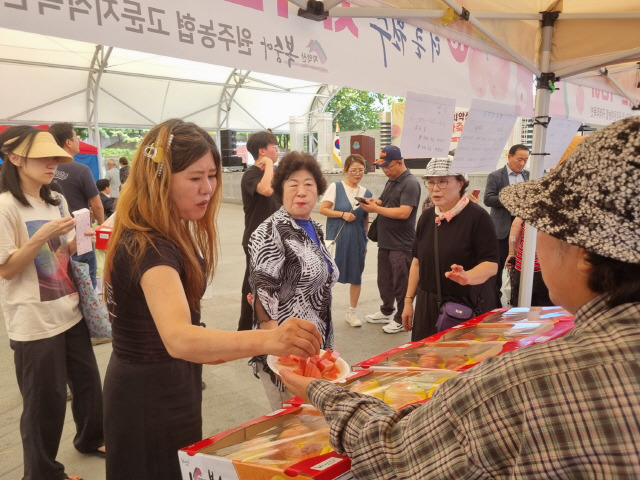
(290,276)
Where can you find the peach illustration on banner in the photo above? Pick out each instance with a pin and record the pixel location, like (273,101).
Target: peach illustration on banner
(488,72)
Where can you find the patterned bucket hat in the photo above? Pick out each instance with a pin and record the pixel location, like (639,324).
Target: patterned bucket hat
(593,199)
(440,167)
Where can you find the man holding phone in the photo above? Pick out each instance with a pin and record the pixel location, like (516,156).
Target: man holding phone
(396,209)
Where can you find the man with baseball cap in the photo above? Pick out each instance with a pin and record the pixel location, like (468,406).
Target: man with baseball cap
(396,209)
(567,408)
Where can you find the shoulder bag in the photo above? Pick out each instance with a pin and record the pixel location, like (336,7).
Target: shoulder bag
(94,311)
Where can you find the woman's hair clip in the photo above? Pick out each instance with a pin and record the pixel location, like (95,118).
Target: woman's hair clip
(157,155)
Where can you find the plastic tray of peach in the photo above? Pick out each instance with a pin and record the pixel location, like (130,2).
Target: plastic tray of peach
(299,436)
(443,355)
(530,314)
(398,389)
(501,332)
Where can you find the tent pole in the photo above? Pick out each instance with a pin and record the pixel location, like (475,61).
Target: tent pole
(98,65)
(541,112)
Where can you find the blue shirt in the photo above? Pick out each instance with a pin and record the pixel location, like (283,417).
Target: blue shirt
(308,227)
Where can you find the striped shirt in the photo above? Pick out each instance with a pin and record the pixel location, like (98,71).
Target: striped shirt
(567,409)
(518,253)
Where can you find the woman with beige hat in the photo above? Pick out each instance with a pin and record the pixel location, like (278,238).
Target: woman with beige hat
(50,341)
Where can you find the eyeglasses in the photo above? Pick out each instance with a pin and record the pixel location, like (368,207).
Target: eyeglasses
(393,163)
(355,172)
(441,182)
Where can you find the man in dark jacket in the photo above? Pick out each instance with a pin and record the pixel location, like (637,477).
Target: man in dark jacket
(513,172)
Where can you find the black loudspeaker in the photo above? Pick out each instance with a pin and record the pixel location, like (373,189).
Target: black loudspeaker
(227,144)
(232,161)
(416,162)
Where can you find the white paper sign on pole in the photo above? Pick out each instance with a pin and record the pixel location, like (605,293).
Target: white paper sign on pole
(559,135)
(485,132)
(427,126)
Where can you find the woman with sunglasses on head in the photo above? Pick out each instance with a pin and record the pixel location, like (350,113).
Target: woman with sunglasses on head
(347,224)
(467,253)
(161,255)
(39,302)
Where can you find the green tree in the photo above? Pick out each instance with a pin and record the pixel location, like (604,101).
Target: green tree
(358,109)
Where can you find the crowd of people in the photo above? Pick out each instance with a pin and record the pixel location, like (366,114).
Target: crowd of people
(510,417)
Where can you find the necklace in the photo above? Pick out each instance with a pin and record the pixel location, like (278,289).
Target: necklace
(354,190)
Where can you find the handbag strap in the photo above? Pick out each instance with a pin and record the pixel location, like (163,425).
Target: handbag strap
(343,220)
(59,197)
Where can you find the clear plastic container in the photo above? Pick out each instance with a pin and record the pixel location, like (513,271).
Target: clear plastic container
(530,314)
(439,355)
(304,434)
(497,332)
(399,389)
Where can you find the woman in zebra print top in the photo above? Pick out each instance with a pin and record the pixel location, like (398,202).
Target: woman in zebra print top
(291,270)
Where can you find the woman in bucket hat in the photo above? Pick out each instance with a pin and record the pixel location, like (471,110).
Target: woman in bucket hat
(467,253)
(40,305)
(568,408)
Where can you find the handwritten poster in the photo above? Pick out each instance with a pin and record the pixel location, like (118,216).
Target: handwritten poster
(559,135)
(485,133)
(427,126)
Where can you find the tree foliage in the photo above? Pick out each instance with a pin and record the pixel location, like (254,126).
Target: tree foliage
(358,109)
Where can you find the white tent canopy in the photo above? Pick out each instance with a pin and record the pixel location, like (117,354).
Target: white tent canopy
(48,79)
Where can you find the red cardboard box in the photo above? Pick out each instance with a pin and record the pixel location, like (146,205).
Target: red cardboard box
(290,443)
(103,234)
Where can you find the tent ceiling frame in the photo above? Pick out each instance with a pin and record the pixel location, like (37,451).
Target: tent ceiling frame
(98,64)
(276,88)
(475,17)
(234,82)
(46,104)
(472,17)
(151,122)
(619,88)
(235,102)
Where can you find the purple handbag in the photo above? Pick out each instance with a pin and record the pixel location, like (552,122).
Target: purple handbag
(451,314)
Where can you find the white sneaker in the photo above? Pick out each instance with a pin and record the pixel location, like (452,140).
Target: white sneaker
(352,319)
(393,327)
(378,317)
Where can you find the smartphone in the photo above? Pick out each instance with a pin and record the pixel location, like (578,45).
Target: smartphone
(476,192)
(361,199)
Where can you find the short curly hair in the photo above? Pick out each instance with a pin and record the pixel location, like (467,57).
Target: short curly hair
(292,162)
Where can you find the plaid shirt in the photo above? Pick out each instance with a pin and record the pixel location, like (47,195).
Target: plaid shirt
(567,409)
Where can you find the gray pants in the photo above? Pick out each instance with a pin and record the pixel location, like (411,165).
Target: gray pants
(393,278)
(43,369)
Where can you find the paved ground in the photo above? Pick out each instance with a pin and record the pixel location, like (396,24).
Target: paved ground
(233,395)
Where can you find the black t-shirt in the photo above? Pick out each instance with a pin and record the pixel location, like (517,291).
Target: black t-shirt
(467,240)
(394,233)
(77,184)
(257,208)
(135,336)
